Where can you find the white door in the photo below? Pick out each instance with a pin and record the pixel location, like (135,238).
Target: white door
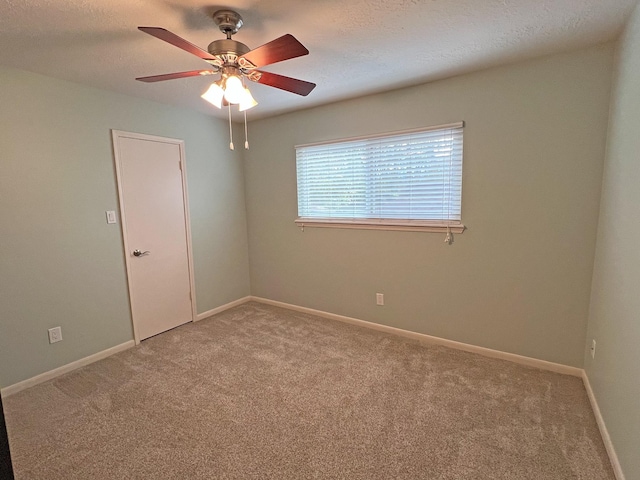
(154,214)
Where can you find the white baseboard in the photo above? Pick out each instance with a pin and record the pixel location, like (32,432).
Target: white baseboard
(487,352)
(222,308)
(56,372)
(613,457)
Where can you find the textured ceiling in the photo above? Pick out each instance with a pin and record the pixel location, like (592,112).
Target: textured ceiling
(357,46)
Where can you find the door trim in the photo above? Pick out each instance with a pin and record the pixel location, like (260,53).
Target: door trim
(116,136)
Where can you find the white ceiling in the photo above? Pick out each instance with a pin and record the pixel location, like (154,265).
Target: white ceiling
(356,46)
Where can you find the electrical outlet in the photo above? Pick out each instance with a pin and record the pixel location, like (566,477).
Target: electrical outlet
(55,334)
(379,298)
(593,349)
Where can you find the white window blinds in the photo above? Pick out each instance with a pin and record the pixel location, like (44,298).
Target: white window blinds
(413,176)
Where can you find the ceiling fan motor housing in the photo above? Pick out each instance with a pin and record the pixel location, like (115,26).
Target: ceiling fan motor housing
(229,53)
(225,47)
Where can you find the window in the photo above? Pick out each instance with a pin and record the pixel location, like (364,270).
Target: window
(403,181)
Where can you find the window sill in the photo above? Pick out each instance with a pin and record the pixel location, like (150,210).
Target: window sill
(375,224)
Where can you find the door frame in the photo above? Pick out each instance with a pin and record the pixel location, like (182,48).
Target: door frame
(116,136)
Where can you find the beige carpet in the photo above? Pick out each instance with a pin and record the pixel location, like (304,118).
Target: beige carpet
(264,393)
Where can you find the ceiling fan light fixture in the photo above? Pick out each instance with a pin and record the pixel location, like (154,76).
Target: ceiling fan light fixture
(214,95)
(234,61)
(247,101)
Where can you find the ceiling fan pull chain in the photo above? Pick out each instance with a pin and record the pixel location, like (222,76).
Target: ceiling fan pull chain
(246,135)
(230,131)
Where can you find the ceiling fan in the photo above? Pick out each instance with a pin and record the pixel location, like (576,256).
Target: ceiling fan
(234,61)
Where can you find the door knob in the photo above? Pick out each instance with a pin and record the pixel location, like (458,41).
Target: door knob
(138,253)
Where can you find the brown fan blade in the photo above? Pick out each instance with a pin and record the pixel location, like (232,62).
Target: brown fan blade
(177,41)
(277,50)
(289,84)
(171,76)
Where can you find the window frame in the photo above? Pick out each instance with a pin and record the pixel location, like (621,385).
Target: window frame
(454,226)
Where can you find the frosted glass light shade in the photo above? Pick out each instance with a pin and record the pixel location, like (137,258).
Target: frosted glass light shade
(247,101)
(214,95)
(233,90)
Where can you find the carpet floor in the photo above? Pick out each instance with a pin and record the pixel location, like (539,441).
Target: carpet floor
(259,392)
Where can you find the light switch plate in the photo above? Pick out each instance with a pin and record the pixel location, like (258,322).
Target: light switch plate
(111,216)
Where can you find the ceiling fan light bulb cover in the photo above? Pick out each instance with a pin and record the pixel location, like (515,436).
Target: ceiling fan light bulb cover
(247,101)
(214,95)
(233,90)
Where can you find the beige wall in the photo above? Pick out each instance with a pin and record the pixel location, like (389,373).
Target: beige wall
(519,279)
(60,263)
(614,319)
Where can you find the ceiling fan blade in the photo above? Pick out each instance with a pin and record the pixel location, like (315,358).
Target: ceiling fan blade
(171,76)
(277,50)
(289,84)
(177,41)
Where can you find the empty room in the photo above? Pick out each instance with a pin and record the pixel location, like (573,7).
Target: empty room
(288,240)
